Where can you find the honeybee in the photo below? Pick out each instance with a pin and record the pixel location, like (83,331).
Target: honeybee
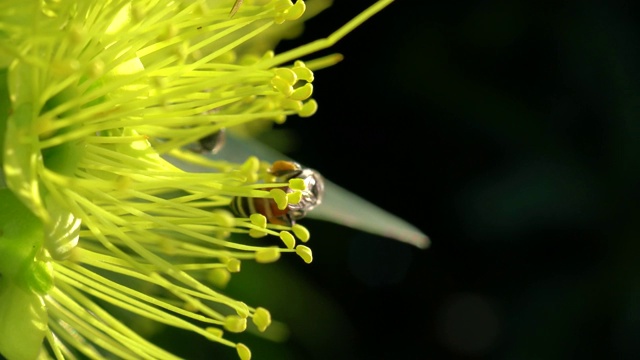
(284,171)
(338,205)
(210,144)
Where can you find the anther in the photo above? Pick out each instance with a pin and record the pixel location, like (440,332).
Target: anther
(290,104)
(219,277)
(282,86)
(258,220)
(303,72)
(302,93)
(296,11)
(243,351)
(301,232)
(224,218)
(217,332)
(288,239)
(268,255)
(308,109)
(305,253)
(262,318)
(297,184)
(286,74)
(235,323)
(242,309)
(294,197)
(280,197)
(233,265)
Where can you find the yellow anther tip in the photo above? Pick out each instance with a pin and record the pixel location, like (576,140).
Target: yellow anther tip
(308,109)
(297,184)
(256,234)
(281,5)
(290,104)
(250,165)
(305,253)
(280,119)
(219,277)
(288,239)
(224,218)
(243,351)
(262,319)
(268,55)
(296,11)
(286,74)
(280,197)
(242,310)
(302,93)
(303,73)
(294,197)
(268,255)
(301,232)
(282,86)
(235,323)
(233,265)
(215,331)
(258,220)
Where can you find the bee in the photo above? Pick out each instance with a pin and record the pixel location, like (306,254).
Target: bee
(210,144)
(284,171)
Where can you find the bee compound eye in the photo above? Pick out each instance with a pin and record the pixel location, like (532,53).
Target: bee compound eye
(315,185)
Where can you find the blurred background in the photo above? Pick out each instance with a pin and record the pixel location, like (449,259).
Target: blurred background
(506,130)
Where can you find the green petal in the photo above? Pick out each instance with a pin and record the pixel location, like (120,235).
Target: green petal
(5,109)
(21,152)
(23,320)
(23,317)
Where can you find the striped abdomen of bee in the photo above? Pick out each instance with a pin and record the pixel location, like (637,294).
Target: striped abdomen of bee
(245,206)
(284,171)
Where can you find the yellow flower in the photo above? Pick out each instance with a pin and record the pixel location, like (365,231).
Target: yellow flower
(93,219)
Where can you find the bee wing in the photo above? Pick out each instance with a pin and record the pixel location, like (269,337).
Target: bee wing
(338,205)
(343,207)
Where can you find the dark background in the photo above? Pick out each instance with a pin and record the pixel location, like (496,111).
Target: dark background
(508,132)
